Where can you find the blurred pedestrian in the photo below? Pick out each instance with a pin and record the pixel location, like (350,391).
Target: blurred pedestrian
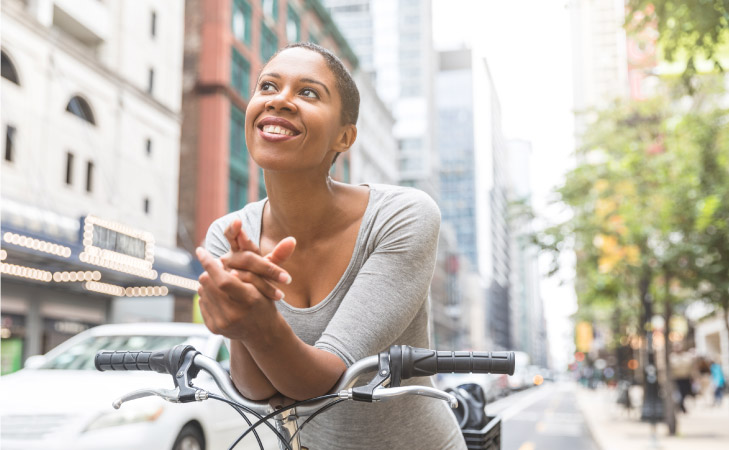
(717,379)
(705,387)
(682,367)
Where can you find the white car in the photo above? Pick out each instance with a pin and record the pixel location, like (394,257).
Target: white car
(65,403)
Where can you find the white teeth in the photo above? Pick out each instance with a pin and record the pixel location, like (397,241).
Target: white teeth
(275,129)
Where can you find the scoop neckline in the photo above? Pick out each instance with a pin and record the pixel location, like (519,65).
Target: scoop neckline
(350,265)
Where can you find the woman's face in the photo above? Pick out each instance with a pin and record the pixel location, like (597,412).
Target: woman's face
(293,120)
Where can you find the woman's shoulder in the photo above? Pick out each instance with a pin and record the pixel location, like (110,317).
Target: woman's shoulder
(402,200)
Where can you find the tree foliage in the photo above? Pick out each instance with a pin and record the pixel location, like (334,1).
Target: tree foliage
(650,202)
(687,29)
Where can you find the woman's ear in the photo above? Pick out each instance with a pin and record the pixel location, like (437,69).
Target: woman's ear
(346,138)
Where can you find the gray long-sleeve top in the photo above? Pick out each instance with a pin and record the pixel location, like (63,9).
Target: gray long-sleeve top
(380,300)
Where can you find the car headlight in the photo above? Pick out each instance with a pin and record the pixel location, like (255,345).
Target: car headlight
(126,416)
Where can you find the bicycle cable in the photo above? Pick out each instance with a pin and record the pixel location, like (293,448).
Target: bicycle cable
(277,412)
(316,413)
(237,407)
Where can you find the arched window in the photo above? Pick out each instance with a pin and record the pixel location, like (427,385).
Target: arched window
(8,69)
(81,108)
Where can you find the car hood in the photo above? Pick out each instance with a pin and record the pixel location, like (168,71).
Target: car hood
(71,391)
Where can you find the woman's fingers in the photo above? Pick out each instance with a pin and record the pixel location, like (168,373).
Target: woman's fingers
(262,285)
(253,262)
(231,234)
(283,250)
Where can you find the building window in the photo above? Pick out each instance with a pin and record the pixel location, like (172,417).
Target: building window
(80,108)
(270,9)
(238,177)
(146,205)
(293,28)
(8,69)
(241,73)
(238,150)
(313,34)
(238,196)
(89,176)
(150,81)
(242,21)
(9,141)
(269,43)
(69,168)
(149,147)
(261,184)
(153,24)
(411,144)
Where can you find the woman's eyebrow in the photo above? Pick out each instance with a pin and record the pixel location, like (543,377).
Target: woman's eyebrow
(309,80)
(304,80)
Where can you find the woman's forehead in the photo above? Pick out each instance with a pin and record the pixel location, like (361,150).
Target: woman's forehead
(299,60)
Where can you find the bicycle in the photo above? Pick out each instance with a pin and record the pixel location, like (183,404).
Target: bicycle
(390,367)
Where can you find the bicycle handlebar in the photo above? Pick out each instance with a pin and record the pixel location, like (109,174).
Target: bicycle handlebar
(393,365)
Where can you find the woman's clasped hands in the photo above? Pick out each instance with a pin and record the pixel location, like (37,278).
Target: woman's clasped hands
(237,291)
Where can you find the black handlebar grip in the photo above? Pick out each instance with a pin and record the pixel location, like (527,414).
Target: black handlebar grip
(165,361)
(124,360)
(420,362)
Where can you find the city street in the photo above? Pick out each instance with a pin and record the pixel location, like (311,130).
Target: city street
(542,418)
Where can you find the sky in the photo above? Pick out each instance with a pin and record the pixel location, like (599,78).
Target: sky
(527,45)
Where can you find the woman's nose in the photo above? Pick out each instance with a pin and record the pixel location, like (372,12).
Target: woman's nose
(281,101)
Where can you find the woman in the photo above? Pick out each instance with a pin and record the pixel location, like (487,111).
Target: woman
(357,281)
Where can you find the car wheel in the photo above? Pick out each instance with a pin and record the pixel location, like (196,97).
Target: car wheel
(190,438)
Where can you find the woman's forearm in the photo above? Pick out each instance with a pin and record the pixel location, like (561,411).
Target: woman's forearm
(295,369)
(246,375)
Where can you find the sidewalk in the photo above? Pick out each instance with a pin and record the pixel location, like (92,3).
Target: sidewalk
(614,428)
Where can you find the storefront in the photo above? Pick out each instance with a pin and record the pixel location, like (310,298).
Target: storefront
(61,276)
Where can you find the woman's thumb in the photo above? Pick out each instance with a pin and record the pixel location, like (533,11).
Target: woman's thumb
(283,250)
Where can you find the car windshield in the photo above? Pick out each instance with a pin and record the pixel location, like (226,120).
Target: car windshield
(81,355)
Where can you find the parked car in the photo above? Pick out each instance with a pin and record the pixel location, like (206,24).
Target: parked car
(61,401)
(522,377)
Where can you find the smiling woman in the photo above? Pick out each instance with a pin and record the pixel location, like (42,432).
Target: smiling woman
(321,274)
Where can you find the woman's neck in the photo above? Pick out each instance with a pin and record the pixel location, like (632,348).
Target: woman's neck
(306,207)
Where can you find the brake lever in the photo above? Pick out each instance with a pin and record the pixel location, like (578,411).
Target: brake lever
(382,393)
(170,395)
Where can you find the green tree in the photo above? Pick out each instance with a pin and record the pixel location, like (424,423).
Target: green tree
(650,203)
(688,30)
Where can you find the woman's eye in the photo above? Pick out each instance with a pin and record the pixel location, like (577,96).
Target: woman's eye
(309,93)
(267,86)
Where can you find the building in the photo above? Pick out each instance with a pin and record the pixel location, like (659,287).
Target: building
(528,326)
(493,239)
(600,69)
(393,40)
(712,339)
(226,45)
(473,183)
(374,154)
(91,115)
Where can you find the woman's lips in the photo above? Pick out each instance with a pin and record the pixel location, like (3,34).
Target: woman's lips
(276,129)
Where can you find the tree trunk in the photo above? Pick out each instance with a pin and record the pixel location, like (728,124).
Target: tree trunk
(668,402)
(652,410)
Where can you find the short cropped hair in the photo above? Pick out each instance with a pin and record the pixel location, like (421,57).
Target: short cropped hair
(346,86)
